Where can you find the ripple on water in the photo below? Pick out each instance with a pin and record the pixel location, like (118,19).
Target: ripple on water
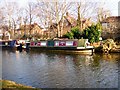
(48,70)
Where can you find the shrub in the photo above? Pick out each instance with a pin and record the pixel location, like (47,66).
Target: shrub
(73,34)
(92,33)
(69,35)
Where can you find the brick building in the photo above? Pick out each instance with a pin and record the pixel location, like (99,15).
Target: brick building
(111,28)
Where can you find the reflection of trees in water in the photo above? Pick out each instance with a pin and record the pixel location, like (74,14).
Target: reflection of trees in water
(96,61)
(86,60)
(111,57)
(78,59)
(93,62)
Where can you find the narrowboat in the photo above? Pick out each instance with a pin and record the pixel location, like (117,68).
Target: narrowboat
(7,43)
(75,46)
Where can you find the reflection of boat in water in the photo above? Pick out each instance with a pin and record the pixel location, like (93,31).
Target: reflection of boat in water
(75,46)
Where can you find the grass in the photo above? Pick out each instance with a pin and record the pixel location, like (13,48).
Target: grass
(10,85)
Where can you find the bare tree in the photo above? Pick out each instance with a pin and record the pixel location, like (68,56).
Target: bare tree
(61,9)
(10,9)
(1,16)
(53,12)
(28,16)
(102,14)
(85,10)
(49,13)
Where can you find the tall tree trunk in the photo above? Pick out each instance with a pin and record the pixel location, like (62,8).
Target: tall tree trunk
(79,21)
(30,21)
(57,20)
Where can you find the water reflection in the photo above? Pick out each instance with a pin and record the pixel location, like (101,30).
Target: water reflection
(50,70)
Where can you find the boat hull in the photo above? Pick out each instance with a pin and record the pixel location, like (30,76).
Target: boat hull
(64,49)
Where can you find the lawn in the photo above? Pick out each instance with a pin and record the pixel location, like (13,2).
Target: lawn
(10,85)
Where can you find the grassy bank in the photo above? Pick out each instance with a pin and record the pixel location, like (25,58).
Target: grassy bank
(10,85)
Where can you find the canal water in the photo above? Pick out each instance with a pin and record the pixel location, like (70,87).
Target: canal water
(57,70)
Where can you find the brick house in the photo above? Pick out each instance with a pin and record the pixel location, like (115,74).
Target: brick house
(25,30)
(111,28)
(65,25)
(4,33)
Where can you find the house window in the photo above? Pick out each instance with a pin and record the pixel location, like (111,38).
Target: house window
(105,25)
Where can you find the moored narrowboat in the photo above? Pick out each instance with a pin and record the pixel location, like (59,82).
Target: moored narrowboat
(79,46)
(14,44)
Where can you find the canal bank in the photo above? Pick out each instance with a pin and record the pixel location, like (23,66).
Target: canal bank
(106,46)
(11,85)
